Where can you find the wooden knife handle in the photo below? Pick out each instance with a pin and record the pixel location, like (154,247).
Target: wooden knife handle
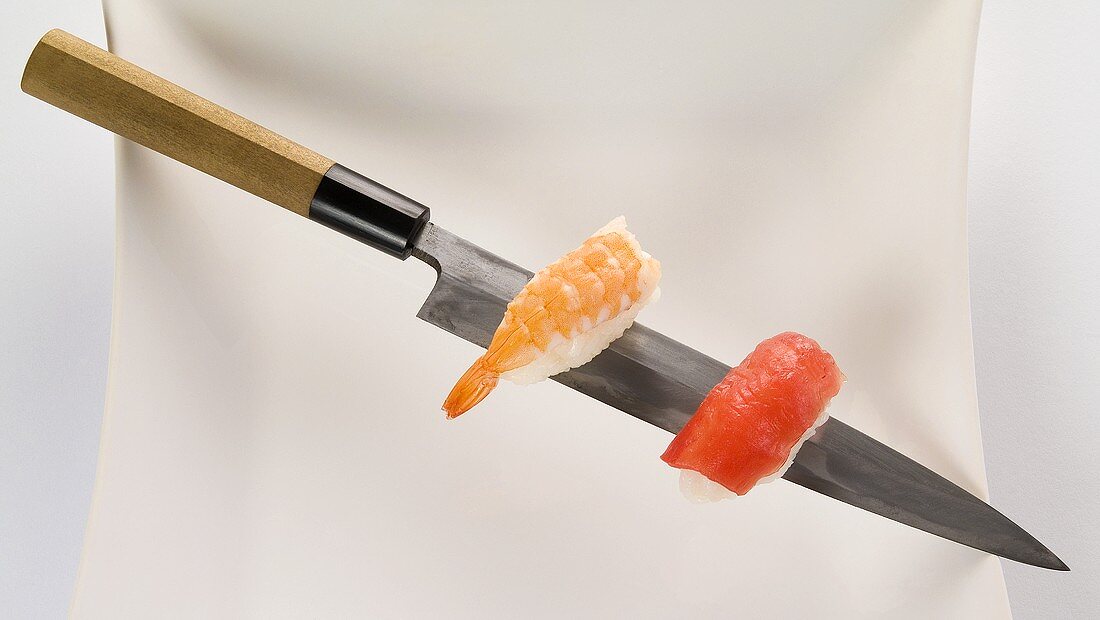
(96,85)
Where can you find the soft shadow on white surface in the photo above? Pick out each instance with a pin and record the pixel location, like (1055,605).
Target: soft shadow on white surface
(273,445)
(56,267)
(1035,256)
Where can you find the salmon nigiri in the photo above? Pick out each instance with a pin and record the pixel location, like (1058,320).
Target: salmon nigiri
(566,315)
(750,426)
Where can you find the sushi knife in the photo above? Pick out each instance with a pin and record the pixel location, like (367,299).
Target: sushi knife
(644,373)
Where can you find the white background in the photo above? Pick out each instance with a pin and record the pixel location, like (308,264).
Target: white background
(1034,212)
(56,266)
(1033,230)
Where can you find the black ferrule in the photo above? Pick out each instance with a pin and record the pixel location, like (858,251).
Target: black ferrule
(372,213)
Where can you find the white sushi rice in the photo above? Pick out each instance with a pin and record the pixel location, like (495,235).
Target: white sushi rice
(565,353)
(699,489)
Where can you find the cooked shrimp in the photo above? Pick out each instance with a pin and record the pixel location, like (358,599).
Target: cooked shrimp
(566,315)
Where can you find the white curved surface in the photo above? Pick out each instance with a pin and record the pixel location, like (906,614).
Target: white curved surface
(272,445)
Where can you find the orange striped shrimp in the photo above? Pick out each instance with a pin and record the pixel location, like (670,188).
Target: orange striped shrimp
(566,315)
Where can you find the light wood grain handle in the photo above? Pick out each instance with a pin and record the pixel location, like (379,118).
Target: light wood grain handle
(98,86)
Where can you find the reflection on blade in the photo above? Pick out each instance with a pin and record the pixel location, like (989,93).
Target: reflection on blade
(658,380)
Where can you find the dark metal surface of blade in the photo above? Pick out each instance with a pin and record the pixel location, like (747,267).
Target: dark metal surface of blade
(658,380)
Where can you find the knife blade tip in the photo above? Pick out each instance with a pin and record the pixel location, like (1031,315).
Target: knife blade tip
(1037,554)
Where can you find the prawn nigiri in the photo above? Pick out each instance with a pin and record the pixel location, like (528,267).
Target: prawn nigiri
(565,315)
(751,425)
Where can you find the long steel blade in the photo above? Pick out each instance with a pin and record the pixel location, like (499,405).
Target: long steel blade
(658,380)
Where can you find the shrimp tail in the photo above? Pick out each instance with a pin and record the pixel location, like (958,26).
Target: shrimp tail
(471,388)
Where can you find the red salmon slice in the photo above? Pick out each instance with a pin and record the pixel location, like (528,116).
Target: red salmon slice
(746,427)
